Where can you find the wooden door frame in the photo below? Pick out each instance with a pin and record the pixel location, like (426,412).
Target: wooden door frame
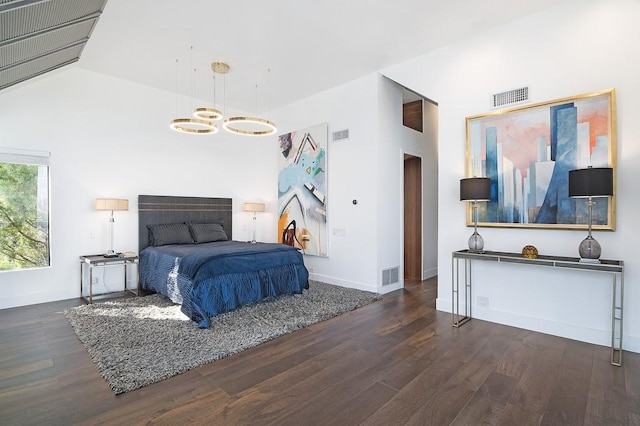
(420,218)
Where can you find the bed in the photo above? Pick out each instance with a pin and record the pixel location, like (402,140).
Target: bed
(187,254)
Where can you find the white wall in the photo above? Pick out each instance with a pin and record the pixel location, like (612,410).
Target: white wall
(351,174)
(109,137)
(430,191)
(576,47)
(425,145)
(389,175)
(368,168)
(394,140)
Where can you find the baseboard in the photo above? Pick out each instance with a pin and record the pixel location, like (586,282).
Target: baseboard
(429,273)
(37,298)
(555,328)
(443,305)
(343,283)
(391,287)
(631,343)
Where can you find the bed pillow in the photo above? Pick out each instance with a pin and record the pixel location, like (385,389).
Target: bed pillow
(207,232)
(169,233)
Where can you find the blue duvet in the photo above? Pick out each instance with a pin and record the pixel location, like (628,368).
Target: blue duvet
(212,278)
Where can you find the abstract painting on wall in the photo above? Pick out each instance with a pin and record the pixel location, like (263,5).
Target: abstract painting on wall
(302,189)
(527,152)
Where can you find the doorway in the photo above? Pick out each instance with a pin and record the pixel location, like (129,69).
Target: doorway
(419,176)
(412,217)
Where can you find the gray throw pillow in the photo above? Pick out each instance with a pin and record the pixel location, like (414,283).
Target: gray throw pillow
(207,232)
(169,233)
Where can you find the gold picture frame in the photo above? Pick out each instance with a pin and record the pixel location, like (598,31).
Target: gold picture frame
(527,153)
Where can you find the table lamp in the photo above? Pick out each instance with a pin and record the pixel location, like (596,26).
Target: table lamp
(253,207)
(590,182)
(111,204)
(475,189)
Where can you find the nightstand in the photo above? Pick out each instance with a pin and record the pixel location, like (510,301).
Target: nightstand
(126,261)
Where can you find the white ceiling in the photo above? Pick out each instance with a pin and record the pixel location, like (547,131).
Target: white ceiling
(308,45)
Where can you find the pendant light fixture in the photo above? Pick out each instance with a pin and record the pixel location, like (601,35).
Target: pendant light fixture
(250,126)
(201,125)
(193,126)
(231,124)
(207,114)
(212,114)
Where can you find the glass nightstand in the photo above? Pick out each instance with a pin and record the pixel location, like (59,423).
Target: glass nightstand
(127,261)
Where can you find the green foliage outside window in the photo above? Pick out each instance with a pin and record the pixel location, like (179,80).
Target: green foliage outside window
(24,216)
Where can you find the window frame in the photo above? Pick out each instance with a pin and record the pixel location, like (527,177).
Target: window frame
(32,158)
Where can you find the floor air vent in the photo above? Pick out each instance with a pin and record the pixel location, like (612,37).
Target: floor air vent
(510,97)
(390,276)
(340,135)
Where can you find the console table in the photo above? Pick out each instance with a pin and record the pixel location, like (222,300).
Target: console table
(613,267)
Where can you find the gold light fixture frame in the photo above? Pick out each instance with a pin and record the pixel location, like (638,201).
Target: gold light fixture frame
(210,114)
(204,124)
(229,125)
(194,126)
(220,67)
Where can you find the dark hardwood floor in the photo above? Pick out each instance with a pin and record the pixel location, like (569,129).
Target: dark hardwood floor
(397,361)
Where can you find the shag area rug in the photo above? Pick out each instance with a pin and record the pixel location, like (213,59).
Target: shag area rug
(139,341)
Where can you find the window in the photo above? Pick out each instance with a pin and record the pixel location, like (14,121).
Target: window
(24,209)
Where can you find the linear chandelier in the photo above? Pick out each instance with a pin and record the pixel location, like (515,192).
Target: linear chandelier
(203,123)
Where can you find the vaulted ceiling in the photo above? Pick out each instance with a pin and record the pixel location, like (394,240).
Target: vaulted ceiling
(279,51)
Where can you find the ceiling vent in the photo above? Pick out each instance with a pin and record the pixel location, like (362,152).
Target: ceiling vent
(510,97)
(40,36)
(340,135)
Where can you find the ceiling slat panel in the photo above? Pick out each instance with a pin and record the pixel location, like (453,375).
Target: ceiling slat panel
(36,17)
(21,72)
(41,44)
(37,36)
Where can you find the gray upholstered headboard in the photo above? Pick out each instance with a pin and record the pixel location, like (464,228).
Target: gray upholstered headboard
(158,209)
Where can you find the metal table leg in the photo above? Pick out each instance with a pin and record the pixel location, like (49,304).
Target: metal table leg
(616,320)
(459,319)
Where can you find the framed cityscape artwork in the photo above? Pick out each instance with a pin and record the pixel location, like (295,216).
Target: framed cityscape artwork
(528,151)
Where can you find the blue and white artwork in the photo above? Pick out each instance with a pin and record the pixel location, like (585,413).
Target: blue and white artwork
(302,189)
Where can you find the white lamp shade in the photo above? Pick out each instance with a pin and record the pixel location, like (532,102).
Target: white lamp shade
(112,204)
(253,207)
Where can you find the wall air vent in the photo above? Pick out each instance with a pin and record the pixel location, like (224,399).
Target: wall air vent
(340,135)
(390,276)
(510,97)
